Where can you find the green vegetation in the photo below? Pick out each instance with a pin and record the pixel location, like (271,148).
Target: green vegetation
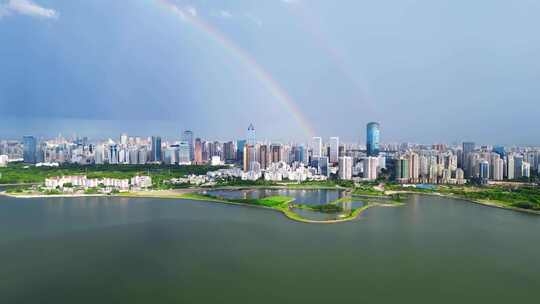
(244,183)
(521,197)
(53,192)
(18,173)
(366,189)
(91,191)
(15,190)
(328,208)
(330,183)
(271,201)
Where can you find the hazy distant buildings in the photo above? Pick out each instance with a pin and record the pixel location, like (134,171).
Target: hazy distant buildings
(316,147)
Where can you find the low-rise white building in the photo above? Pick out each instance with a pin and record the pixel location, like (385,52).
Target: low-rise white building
(3,160)
(81,181)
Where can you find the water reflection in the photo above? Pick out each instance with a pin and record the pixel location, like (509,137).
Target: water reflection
(304,197)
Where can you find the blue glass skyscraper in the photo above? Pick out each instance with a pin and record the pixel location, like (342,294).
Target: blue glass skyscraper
(29,149)
(240,149)
(499,150)
(187,136)
(156,149)
(372,139)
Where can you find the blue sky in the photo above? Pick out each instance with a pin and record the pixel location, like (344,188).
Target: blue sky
(429,71)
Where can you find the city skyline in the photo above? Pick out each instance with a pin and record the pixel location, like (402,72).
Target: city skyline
(340,68)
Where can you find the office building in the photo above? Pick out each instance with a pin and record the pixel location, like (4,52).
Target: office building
(29,149)
(187,137)
(156,149)
(468,148)
(373,139)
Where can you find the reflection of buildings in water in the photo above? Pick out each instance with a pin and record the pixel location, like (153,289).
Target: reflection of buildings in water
(347,207)
(413,204)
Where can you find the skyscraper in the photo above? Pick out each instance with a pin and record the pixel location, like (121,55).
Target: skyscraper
(316,147)
(187,136)
(323,166)
(373,139)
(250,159)
(468,148)
(484,171)
(29,149)
(263,156)
(276,153)
(345,167)
(229,151)
(198,151)
(156,149)
(184,153)
(298,152)
(402,170)
(123,139)
(240,150)
(334,149)
(371,167)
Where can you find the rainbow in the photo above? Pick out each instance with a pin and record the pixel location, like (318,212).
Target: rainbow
(258,70)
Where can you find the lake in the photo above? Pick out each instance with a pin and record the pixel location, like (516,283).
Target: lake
(123,250)
(310,197)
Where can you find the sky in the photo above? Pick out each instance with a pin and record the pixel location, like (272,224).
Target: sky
(428,71)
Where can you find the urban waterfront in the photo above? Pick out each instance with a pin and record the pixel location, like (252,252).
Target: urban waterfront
(99,249)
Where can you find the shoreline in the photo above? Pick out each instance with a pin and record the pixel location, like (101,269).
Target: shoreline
(180,193)
(491,204)
(184,194)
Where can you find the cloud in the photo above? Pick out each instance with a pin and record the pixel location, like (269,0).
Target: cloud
(290,1)
(28,8)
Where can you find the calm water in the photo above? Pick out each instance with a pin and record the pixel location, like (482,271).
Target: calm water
(306,197)
(116,250)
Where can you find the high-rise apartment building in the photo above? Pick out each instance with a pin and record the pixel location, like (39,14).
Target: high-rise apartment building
(371,168)
(345,167)
(198,151)
(334,149)
(316,147)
